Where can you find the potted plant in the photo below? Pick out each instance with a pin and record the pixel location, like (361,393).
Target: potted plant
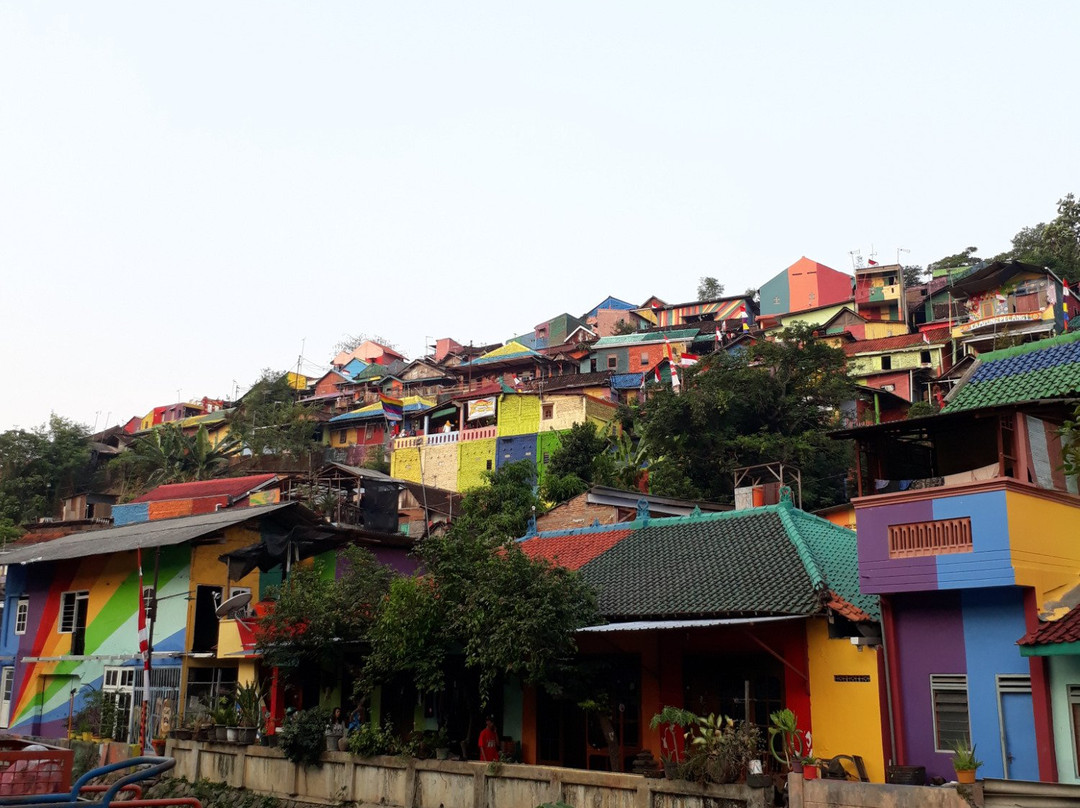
(249,698)
(224,717)
(785,742)
(809,767)
(670,718)
(720,749)
(965,763)
(441,743)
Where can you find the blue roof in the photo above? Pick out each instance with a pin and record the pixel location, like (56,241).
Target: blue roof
(608,302)
(625,381)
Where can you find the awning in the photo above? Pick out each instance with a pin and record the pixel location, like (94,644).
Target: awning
(668,625)
(444,411)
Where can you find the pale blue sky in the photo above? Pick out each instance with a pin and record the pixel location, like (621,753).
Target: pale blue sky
(190,191)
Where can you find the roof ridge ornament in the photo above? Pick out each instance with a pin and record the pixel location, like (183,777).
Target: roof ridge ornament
(643,510)
(786,497)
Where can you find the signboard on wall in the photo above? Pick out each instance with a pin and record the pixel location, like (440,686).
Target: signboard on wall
(482,408)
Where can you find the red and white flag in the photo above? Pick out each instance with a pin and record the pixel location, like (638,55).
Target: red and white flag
(656,373)
(688,359)
(144,652)
(871,262)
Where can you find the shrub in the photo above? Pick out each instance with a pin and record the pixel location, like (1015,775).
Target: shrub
(371,739)
(302,738)
(719,750)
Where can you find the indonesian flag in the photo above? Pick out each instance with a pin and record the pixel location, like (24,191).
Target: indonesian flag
(517,381)
(144,652)
(688,359)
(925,338)
(674,377)
(656,373)
(871,262)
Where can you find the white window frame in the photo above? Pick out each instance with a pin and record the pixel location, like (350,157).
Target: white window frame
(22,616)
(7,682)
(73,597)
(948,683)
(1074,718)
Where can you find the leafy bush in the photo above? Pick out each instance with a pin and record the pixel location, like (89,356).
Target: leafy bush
(720,749)
(371,739)
(302,738)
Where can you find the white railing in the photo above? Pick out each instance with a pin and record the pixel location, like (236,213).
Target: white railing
(443,438)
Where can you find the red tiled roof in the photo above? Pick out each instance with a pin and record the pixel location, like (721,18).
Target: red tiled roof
(573,550)
(1067,629)
(228,487)
(848,610)
(934,335)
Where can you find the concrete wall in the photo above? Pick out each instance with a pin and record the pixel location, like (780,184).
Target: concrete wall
(440,466)
(843,794)
(410,783)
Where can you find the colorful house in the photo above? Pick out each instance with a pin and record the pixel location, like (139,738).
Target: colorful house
(71,618)
(967,530)
(879,293)
(739,613)
(731,313)
(906,365)
(806,284)
(640,352)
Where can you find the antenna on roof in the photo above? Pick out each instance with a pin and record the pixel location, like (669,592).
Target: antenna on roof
(856,259)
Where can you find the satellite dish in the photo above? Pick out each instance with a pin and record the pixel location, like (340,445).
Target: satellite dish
(234,605)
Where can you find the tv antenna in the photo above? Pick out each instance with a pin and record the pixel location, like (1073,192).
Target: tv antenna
(856,259)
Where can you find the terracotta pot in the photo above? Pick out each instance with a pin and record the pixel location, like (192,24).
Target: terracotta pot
(159,746)
(965,776)
(809,772)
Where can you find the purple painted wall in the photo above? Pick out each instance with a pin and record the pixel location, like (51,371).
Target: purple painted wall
(877,572)
(930,636)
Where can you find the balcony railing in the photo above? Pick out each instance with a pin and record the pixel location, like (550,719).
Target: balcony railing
(939,537)
(442,438)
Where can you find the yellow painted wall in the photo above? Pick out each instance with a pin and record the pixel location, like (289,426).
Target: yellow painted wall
(208,570)
(885,328)
(598,412)
(816,317)
(565,410)
(518,415)
(1042,537)
(405,464)
(901,360)
(473,459)
(440,466)
(846,716)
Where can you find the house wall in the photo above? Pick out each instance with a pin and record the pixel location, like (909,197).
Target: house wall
(475,457)
(846,713)
(546,444)
(989,563)
(518,415)
(566,411)
(1064,672)
(41,692)
(974,633)
(1043,532)
(514,448)
(405,464)
(440,466)
(876,329)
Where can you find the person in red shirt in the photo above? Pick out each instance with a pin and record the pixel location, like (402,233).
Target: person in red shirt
(489,741)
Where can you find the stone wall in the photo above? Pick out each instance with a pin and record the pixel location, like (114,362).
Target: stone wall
(410,783)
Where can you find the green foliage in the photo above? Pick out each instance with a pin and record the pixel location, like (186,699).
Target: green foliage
(483,598)
(38,468)
(964,258)
(719,750)
(320,618)
(268,419)
(302,736)
(914,275)
(371,739)
(963,758)
(784,733)
(574,464)
(376,459)
(249,698)
(624,327)
(920,409)
(709,288)
(1070,444)
(167,455)
(1055,245)
(774,401)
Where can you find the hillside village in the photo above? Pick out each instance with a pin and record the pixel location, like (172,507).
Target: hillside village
(931,606)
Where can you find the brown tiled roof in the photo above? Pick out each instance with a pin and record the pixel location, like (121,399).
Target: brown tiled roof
(1067,629)
(899,342)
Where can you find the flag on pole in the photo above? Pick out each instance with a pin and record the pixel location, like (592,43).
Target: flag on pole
(656,373)
(925,338)
(144,652)
(674,377)
(393,408)
(871,262)
(688,359)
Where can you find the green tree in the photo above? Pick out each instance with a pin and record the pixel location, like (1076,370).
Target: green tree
(964,258)
(572,468)
(38,468)
(1055,245)
(323,618)
(773,402)
(1070,444)
(914,275)
(709,288)
(269,420)
(481,597)
(166,454)
(624,327)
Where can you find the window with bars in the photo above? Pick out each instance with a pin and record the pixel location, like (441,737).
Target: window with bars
(70,611)
(22,613)
(949,697)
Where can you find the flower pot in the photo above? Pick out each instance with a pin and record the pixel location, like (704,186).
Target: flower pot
(159,746)
(671,770)
(442,753)
(232,734)
(332,741)
(247,735)
(965,776)
(809,772)
(221,733)
(182,733)
(202,734)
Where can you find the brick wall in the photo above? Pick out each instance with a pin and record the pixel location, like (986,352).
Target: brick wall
(441,466)
(576,513)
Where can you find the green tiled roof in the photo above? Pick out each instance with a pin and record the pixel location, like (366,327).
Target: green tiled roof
(1048,368)
(647,336)
(771,560)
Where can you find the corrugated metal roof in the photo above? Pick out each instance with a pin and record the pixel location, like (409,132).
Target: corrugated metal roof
(661,625)
(645,338)
(160,533)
